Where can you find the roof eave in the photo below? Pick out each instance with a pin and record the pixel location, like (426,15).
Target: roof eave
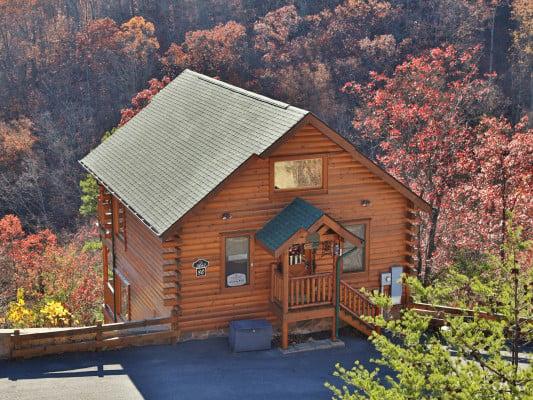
(110,190)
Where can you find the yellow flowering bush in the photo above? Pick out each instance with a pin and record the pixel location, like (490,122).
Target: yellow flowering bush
(18,315)
(55,314)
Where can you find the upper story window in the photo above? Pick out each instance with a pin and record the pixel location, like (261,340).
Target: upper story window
(298,174)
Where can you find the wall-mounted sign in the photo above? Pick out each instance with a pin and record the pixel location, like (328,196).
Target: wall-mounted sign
(200,266)
(236,279)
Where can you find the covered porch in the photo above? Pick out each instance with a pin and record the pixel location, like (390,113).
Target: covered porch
(305,280)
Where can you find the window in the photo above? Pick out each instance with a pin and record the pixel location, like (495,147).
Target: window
(236,261)
(298,174)
(356,260)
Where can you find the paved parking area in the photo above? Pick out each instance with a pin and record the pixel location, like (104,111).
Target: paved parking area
(192,370)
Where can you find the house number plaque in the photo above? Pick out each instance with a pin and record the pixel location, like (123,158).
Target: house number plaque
(200,266)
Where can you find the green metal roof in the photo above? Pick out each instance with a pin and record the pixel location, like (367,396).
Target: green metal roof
(192,135)
(297,215)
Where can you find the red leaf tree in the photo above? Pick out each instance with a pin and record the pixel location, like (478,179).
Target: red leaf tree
(143,98)
(49,270)
(419,123)
(500,183)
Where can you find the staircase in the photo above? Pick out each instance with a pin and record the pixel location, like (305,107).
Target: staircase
(354,305)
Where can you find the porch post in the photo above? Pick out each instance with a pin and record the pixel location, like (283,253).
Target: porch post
(285,324)
(338,287)
(285,283)
(336,290)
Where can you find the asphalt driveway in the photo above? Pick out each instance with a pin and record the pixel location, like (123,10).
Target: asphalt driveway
(192,370)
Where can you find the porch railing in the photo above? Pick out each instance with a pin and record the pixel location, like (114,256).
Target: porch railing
(276,287)
(353,301)
(109,296)
(304,291)
(311,290)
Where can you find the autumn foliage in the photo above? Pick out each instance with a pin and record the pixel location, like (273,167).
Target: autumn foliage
(53,280)
(443,110)
(427,125)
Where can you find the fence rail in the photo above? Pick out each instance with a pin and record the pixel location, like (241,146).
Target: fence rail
(95,338)
(438,312)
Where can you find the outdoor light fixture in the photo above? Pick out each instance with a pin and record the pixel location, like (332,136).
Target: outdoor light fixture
(365,203)
(226,216)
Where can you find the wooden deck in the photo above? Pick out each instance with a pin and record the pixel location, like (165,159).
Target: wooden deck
(314,296)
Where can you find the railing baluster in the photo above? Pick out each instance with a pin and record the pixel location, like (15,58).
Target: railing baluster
(291,293)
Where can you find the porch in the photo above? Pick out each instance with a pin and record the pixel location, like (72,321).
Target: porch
(305,279)
(314,296)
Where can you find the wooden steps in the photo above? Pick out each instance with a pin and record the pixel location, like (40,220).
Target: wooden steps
(353,306)
(356,323)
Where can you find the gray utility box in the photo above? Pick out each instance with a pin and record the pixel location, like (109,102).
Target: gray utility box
(250,335)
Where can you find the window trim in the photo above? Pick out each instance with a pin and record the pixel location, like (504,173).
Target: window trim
(295,192)
(251,244)
(366,271)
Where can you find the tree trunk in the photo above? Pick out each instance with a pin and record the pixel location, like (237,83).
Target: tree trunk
(492,29)
(420,263)
(505,202)
(432,246)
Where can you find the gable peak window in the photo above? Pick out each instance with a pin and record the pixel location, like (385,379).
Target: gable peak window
(298,174)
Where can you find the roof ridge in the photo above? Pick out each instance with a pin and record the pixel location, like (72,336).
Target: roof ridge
(244,92)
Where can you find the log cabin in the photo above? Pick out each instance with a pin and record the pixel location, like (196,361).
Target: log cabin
(224,205)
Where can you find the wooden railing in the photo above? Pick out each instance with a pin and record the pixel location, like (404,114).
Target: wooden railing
(109,296)
(276,286)
(96,337)
(356,303)
(438,313)
(104,212)
(311,290)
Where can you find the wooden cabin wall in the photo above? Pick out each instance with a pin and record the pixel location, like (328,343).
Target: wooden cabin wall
(140,261)
(206,306)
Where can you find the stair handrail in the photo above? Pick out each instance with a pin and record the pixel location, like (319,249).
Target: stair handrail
(358,293)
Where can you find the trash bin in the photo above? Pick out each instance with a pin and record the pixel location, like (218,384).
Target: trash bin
(250,335)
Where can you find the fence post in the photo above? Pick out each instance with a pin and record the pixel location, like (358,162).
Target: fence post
(14,342)
(98,344)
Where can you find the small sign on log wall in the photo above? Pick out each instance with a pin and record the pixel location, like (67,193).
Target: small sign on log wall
(200,266)
(236,279)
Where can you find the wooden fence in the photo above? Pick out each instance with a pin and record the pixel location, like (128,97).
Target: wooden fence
(95,338)
(438,313)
